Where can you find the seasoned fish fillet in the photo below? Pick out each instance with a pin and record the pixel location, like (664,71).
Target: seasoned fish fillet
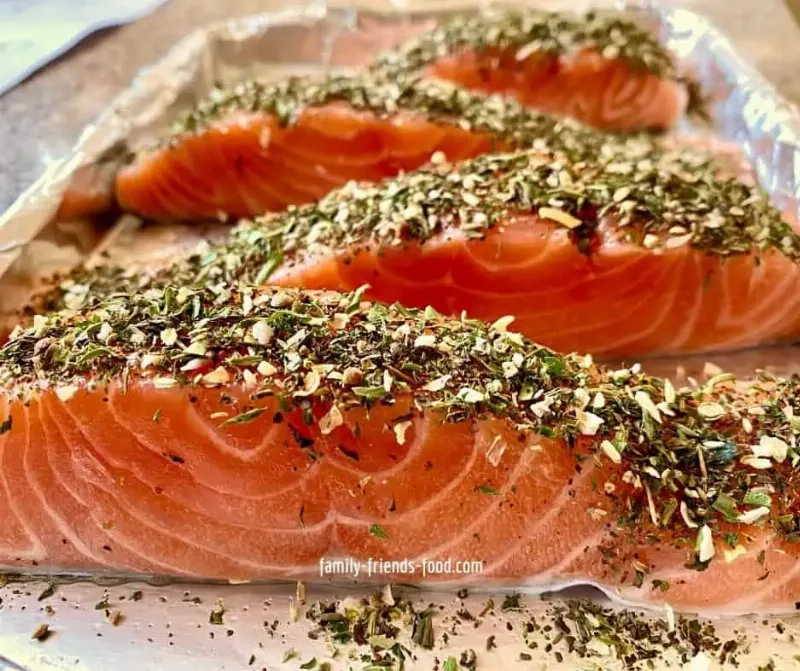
(602,69)
(260,147)
(659,252)
(252,433)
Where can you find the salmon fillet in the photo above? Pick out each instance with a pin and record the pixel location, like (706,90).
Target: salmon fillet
(90,192)
(655,253)
(252,433)
(261,147)
(602,69)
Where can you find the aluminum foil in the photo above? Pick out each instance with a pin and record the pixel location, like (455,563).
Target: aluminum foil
(744,108)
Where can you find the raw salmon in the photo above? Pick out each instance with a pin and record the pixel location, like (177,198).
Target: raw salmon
(655,253)
(90,192)
(257,433)
(601,69)
(262,147)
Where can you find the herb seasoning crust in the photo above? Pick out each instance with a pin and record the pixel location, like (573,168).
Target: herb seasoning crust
(534,32)
(441,102)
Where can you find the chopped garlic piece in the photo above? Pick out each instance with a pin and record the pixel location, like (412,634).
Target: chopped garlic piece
(582,396)
(710,411)
(266,369)
(169,337)
(669,392)
(105,332)
(559,216)
(752,516)
(311,382)
(687,519)
(771,447)
(67,392)
(438,384)
(611,451)
(194,364)
(588,423)
(425,341)
(217,376)
(502,324)
(262,332)
(198,348)
(495,451)
(247,304)
(331,420)
(670,617)
(699,662)
(509,369)
(340,320)
(468,395)
(646,404)
(400,430)
(150,360)
(705,544)
(759,463)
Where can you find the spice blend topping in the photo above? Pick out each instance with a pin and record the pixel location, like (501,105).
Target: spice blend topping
(441,102)
(666,198)
(697,462)
(532,32)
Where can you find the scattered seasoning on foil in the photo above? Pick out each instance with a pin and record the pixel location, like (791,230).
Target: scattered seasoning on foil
(372,622)
(423,630)
(47,593)
(42,632)
(114,617)
(289,655)
(532,32)
(694,475)
(575,629)
(588,630)
(468,660)
(217,615)
(511,602)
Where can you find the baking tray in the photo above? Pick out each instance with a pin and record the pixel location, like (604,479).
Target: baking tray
(165,629)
